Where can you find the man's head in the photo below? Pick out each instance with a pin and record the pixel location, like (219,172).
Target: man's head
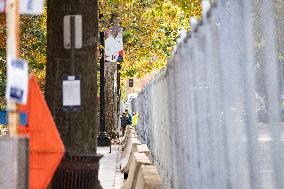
(126,111)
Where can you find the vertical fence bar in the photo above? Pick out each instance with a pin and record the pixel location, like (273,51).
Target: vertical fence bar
(278,14)
(250,96)
(272,88)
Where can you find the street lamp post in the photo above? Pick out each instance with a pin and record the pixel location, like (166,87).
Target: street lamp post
(103,139)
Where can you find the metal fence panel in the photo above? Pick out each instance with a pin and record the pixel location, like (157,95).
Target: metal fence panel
(213,118)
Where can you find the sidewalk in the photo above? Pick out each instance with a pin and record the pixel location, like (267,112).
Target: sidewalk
(109,172)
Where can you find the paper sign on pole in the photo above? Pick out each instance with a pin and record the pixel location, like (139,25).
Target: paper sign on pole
(2,6)
(17,81)
(71,93)
(31,6)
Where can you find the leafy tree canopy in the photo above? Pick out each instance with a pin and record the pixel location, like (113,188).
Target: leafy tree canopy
(150,31)
(151,28)
(33,47)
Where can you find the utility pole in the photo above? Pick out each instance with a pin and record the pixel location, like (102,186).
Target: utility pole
(13,52)
(15,160)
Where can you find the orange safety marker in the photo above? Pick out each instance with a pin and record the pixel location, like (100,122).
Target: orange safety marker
(46,146)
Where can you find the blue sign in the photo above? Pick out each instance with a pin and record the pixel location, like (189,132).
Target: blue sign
(17,81)
(4,118)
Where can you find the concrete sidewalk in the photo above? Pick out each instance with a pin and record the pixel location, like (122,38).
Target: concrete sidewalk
(109,173)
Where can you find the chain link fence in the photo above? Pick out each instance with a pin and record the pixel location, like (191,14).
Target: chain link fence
(213,118)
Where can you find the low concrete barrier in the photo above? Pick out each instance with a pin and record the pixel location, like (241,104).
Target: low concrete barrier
(129,133)
(148,177)
(136,164)
(138,160)
(128,154)
(136,147)
(143,148)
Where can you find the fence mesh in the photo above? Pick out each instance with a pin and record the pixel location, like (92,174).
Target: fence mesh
(213,118)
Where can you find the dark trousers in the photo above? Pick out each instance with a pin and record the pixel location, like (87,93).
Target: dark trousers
(123,130)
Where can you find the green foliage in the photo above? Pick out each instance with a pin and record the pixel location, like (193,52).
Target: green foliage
(150,31)
(150,28)
(190,7)
(33,44)
(33,48)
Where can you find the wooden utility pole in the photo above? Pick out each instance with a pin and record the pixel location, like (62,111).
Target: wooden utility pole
(13,52)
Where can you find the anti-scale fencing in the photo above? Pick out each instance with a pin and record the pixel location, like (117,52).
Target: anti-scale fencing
(213,118)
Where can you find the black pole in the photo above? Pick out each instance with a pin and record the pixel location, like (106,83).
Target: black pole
(72,54)
(103,139)
(102,85)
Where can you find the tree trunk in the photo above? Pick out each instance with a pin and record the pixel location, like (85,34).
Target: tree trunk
(111,98)
(78,129)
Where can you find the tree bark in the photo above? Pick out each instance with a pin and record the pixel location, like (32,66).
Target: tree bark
(111,97)
(78,129)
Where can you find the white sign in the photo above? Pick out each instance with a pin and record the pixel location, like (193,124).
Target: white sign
(114,45)
(71,91)
(67,31)
(31,7)
(2,5)
(17,81)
